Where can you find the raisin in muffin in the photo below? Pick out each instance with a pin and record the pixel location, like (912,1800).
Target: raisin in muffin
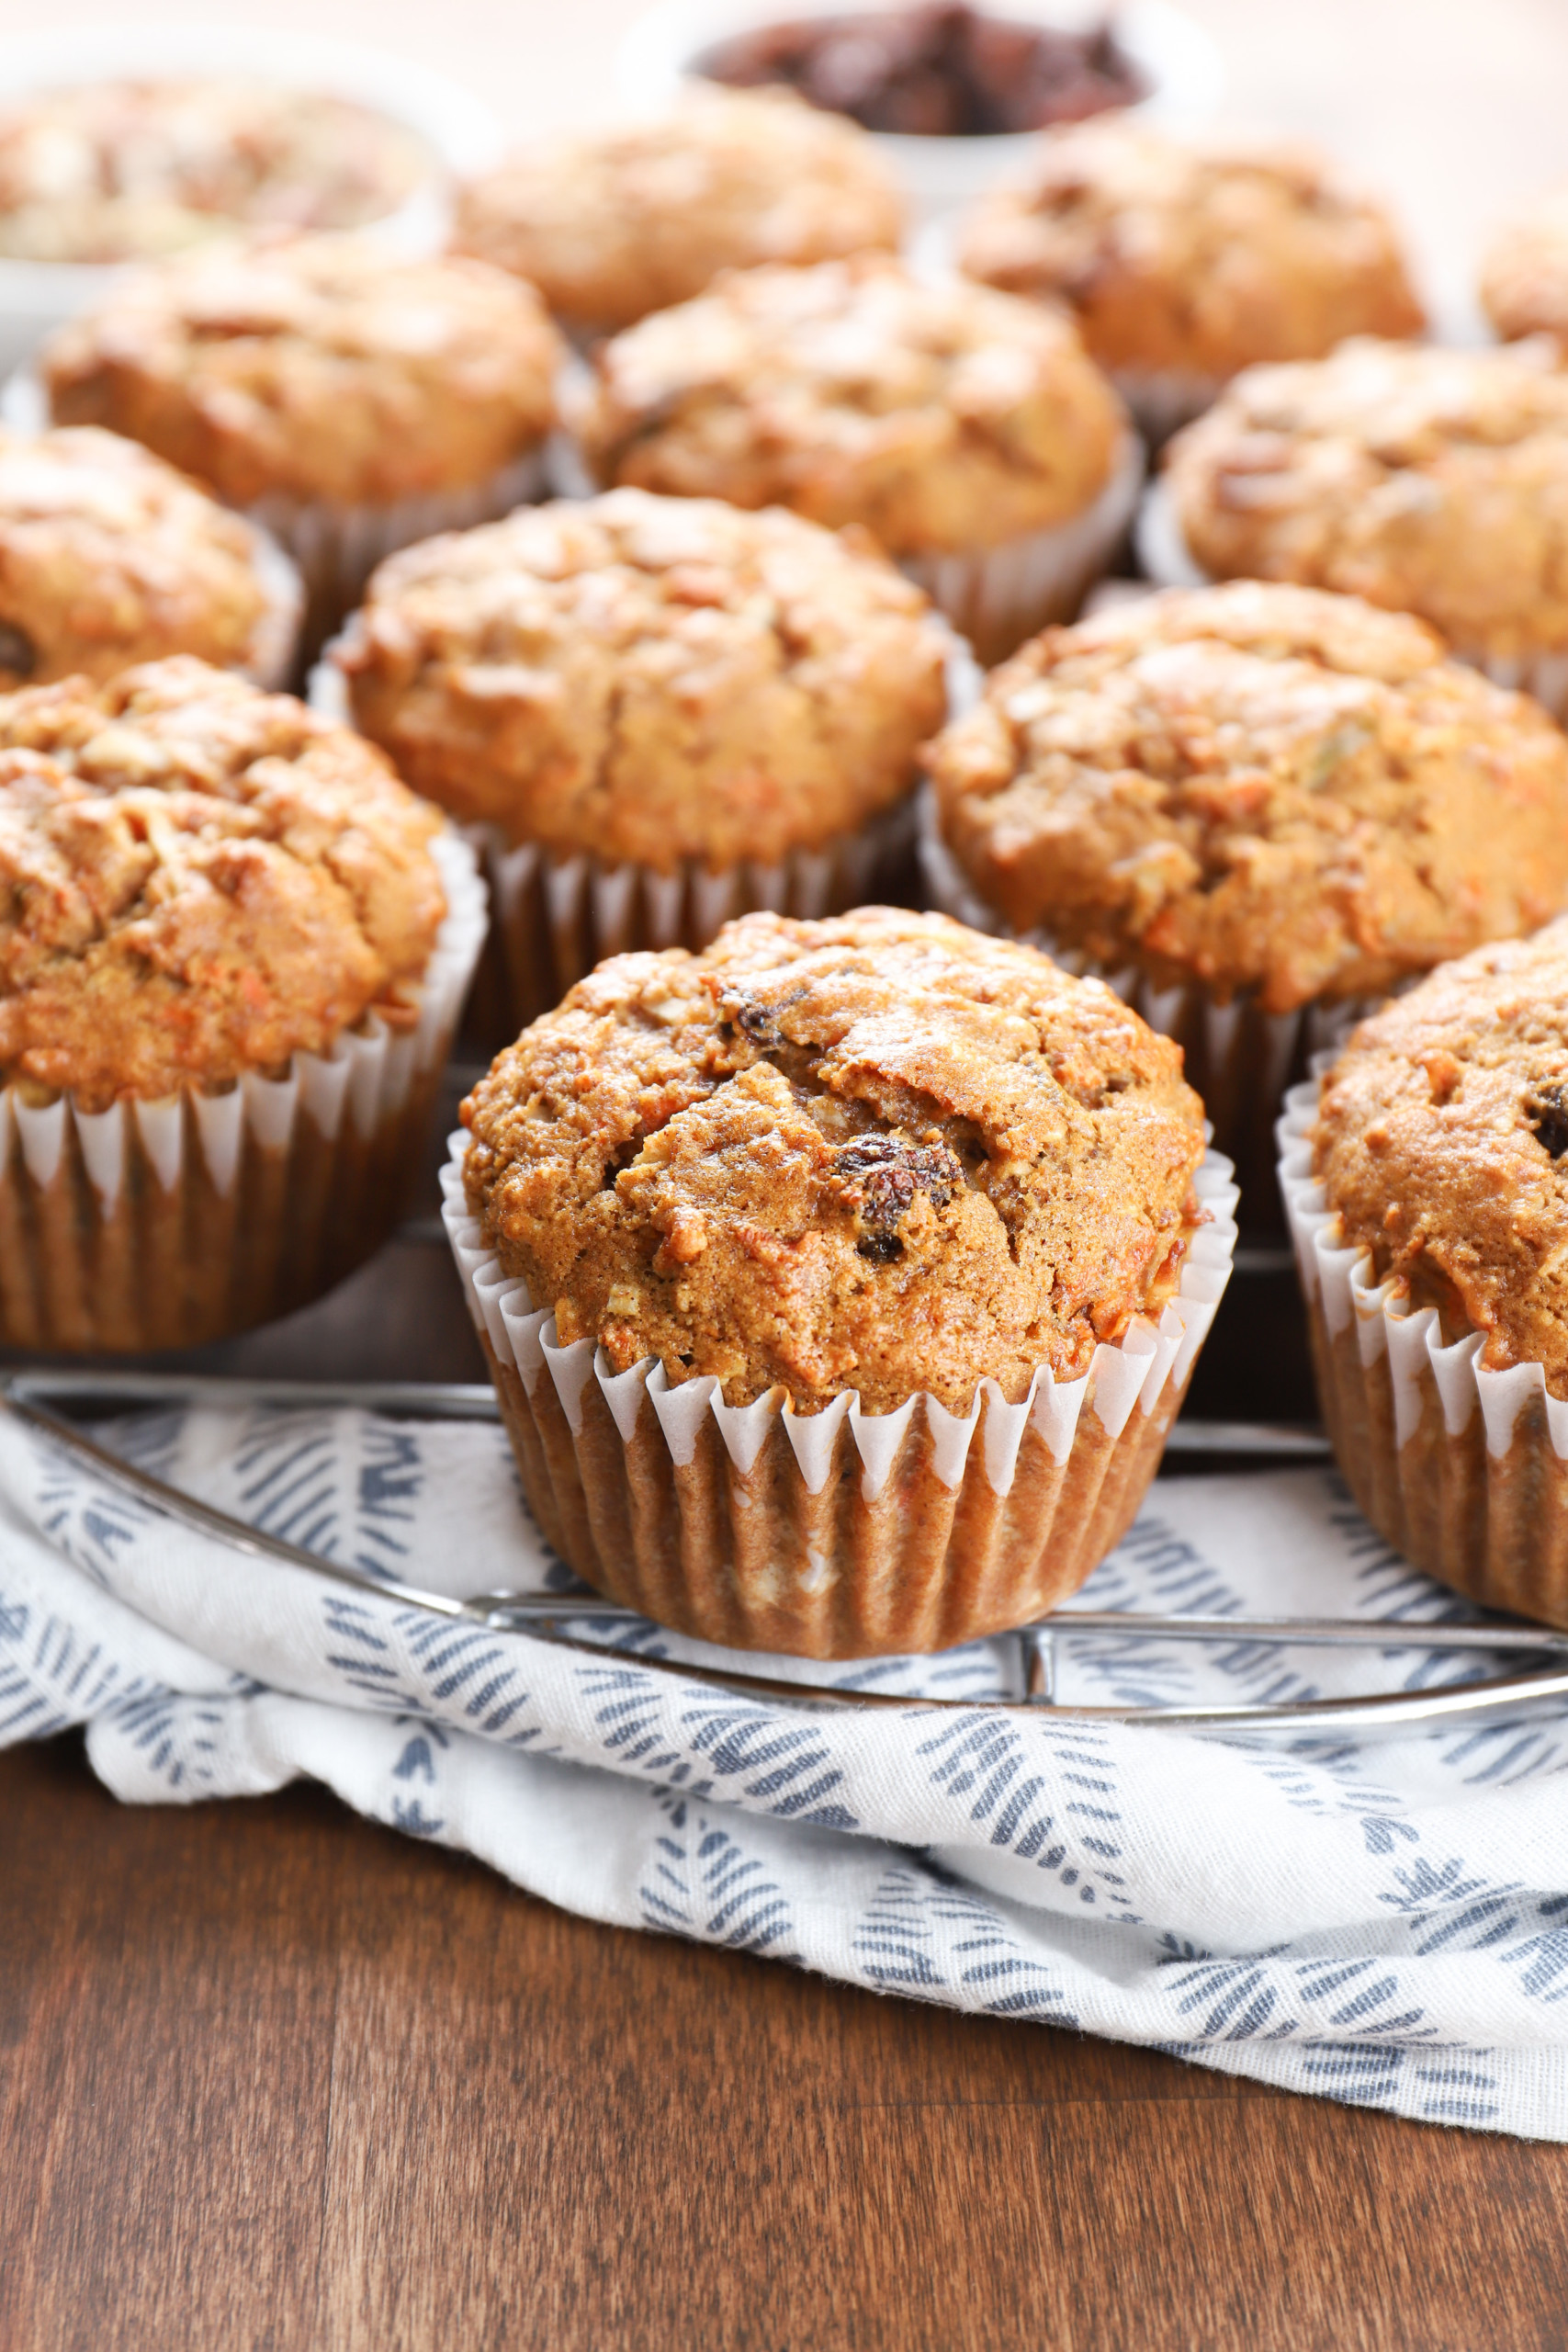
(207,891)
(108,557)
(716,707)
(616,223)
(351,400)
(1184,261)
(879,1161)
(1432,1159)
(1435,483)
(1268,800)
(968,431)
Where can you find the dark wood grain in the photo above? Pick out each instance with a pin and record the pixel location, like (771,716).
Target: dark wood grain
(271,2077)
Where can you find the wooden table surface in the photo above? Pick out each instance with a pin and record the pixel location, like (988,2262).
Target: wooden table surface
(271,2078)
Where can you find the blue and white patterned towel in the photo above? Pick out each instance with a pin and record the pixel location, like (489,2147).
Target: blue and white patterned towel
(1386,1925)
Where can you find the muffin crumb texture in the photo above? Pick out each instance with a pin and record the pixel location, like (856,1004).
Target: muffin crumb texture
(316,368)
(1258,787)
(879,1153)
(108,557)
(939,416)
(1442,1144)
(1429,482)
(617,224)
(196,880)
(1193,256)
(651,679)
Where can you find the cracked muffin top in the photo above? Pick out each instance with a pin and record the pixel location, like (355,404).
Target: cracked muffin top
(620,222)
(197,879)
(1524,275)
(1431,481)
(1258,788)
(938,416)
(320,367)
(650,678)
(880,1153)
(1198,256)
(108,557)
(1441,1140)
(120,171)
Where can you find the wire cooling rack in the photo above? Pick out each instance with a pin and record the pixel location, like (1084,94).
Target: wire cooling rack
(52,1405)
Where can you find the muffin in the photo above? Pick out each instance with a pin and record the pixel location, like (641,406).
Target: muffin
(232,951)
(1184,261)
(1524,276)
(786,1222)
(657,712)
(110,557)
(1428,1197)
(1435,483)
(1258,806)
(614,224)
(127,171)
(350,400)
(966,429)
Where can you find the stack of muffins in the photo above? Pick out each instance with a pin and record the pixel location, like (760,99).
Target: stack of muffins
(841,1265)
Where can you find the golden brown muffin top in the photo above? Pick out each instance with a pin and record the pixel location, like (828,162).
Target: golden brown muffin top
(121,171)
(938,416)
(1524,275)
(322,367)
(197,879)
(651,678)
(108,557)
(1196,255)
(882,1153)
(1431,481)
(1258,787)
(1440,1139)
(617,223)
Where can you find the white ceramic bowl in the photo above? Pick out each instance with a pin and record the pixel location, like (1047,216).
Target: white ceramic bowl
(1178,58)
(461,132)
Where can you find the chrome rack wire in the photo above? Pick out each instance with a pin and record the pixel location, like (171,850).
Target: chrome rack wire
(35,1396)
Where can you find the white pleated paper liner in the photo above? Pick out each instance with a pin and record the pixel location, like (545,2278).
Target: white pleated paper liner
(1163,399)
(996,596)
(1164,555)
(337,547)
(1462,1469)
(1239,1058)
(840,1534)
(167,1224)
(274,657)
(554,917)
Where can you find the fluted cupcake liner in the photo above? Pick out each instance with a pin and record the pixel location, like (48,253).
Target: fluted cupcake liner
(337,547)
(1462,1469)
(553,918)
(1165,558)
(1165,399)
(274,657)
(996,596)
(840,1534)
(167,1224)
(1239,1058)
